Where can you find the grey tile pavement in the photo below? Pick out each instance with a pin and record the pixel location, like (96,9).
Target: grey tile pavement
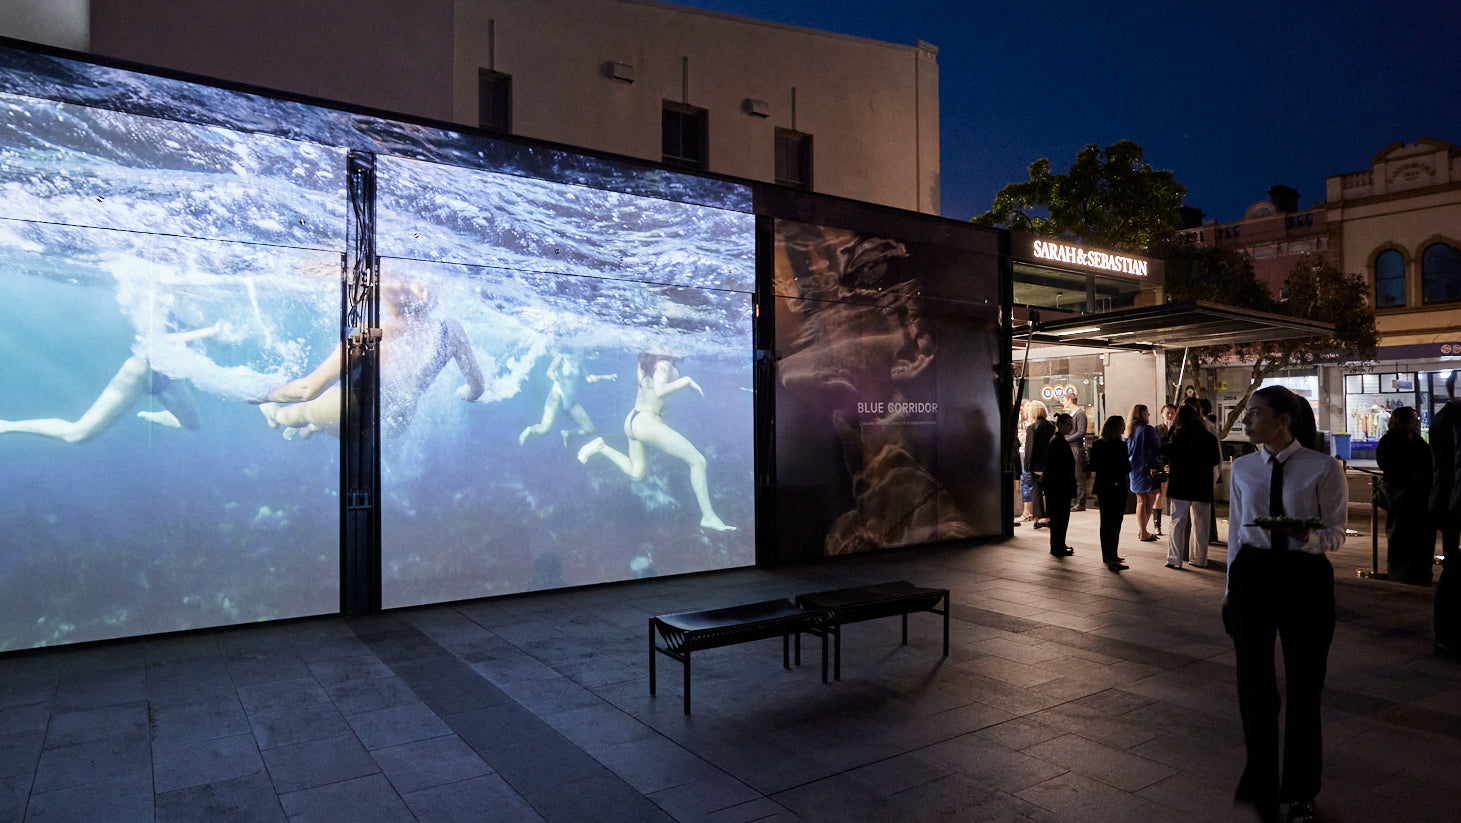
(1071,693)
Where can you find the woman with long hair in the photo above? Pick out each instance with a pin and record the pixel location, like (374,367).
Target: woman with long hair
(1192,460)
(1144,449)
(1112,469)
(1037,447)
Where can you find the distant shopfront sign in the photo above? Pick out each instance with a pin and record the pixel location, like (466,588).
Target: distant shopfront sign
(1417,351)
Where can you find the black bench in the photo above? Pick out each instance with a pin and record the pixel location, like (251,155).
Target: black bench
(688,632)
(870,603)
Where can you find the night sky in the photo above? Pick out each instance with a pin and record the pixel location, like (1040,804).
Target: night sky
(1231,97)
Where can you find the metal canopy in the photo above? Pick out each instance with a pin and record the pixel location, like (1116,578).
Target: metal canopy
(1171,325)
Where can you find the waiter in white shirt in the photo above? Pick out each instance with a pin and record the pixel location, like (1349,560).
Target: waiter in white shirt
(1281,585)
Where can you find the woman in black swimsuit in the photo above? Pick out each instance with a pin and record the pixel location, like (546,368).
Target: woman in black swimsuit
(658,379)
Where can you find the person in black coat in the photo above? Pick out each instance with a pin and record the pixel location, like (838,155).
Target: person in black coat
(1112,470)
(1059,485)
(1410,535)
(1446,510)
(1192,456)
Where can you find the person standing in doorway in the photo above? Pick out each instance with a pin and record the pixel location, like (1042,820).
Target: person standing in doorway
(1037,446)
(1059,484)
(1077,440)
(1445,506)
(1113,482)
(1281,587)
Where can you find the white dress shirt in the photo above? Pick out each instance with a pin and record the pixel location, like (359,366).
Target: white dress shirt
(1313,486)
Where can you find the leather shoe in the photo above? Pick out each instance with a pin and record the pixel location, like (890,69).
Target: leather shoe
(1066,552)
(1303,813)
(1174,566)
(1117,566)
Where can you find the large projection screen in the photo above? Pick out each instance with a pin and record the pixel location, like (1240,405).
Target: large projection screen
(887,395)
(566,384)
(157,276)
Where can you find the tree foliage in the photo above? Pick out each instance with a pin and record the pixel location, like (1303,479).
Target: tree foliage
(1113,199)
(1314,290)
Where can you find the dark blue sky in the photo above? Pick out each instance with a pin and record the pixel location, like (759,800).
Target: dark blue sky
(1232,98)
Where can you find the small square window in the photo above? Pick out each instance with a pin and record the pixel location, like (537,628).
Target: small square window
(684,135)
(794,159)
(494,100)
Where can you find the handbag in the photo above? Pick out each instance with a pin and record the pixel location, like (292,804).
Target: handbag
(1157,473)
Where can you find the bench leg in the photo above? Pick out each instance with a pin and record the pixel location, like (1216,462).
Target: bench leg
(651,655)
(786,651)
(946,624)
(836,650)
(824,657)
(905,628)
(687,682)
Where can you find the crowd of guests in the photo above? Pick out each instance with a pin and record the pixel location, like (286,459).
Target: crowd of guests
(1288,509)
(1171,466)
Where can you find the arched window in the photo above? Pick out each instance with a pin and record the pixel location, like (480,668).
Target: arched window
(1389,279)
(1440,274)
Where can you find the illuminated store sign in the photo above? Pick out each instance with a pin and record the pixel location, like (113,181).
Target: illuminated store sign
(1090,258)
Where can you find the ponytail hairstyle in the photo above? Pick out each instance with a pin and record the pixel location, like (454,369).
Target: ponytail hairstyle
(1301,415)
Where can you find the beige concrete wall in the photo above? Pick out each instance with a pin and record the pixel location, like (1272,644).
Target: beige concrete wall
(393,55)
(871,107)
(63,23)
(1131,378)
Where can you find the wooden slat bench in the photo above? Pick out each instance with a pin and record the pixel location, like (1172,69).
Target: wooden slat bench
(678,635)
(871,603)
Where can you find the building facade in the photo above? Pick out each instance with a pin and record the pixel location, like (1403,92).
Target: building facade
(709,92)
(1274,233)
(1399,223)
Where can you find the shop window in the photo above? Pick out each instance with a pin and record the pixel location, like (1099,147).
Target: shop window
(794,159)
(494,100)
(1440,274)
(1389,279)
(684,135)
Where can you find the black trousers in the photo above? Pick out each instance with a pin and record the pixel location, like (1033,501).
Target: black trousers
(1287,596)
(1448,588)
(1058,510)
(1113,510)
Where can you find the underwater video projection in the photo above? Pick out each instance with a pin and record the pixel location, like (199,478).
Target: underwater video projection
(158,276)
(887,401)
(566,384)
(565,358)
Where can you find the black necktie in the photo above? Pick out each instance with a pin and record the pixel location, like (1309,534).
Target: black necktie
(1275,489)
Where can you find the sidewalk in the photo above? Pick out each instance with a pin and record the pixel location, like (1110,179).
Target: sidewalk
(1071,693)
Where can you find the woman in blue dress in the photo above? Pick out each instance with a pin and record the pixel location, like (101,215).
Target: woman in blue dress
(1144,449)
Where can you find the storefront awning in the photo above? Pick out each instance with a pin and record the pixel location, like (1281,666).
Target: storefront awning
(1169,325)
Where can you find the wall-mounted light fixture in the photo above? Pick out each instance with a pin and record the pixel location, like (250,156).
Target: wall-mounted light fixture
(756,108)
(619,70)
